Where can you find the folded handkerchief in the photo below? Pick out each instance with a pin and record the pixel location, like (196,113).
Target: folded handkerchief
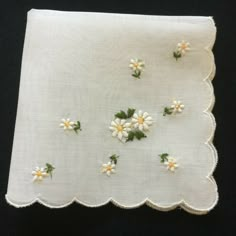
(115,107)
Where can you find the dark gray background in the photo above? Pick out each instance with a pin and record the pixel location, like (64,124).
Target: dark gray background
(77,219)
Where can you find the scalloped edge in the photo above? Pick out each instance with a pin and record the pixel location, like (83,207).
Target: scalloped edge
(182,204)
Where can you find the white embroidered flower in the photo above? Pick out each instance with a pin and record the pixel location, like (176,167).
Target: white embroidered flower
(108,168)
(183,47)
(171,164)
(67,124)
(142,121)
(177,106)
(136,64)
(120,129)
(39,173)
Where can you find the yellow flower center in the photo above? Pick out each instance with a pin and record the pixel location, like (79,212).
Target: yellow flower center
(184,46)
(140,120)
(177,106)
(39,173)
(171,164)
(67,124)
(120,128)
(108,168)
(136,65)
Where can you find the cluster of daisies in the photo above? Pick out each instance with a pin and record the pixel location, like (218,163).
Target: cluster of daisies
(181,49)
(130,125)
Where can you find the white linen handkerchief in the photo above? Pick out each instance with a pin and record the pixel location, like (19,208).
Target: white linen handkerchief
(76,65)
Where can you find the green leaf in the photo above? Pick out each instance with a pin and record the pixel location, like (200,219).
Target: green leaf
(167,111)
(139,134)
(77,127)
(130,136)
(49,169)
(177,55)
(130,112)
(121,115)
(114,158)
(137,74)
(163,157)
(135,134)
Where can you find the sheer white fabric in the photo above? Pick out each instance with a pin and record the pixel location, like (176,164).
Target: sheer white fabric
(75,65)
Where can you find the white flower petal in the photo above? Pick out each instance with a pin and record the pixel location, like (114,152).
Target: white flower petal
(145,114)
(145,126)
(140,127)
(135,116)
(120,135)
(148,122)
(149,118)
(108,172)
(112,128)
(122,121)
(127,125)
(117,120)
(35,178)
(125,134)
(140,113)
(113,123)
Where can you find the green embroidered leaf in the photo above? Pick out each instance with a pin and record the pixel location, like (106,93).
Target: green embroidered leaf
(163,157)
(136,74)
(130,112)
(130,136)
(114,158)
(177,55)
(49,169)
(167,111)
(139,134)
(121,115)
(135,134)
(77,127)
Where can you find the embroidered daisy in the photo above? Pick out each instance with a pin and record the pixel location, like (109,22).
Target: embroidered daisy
(142,121)
(67,124)
(120,129)
(171,164)
(136,64)
(108,168)
(39,173)
(177,107)
(183,47)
